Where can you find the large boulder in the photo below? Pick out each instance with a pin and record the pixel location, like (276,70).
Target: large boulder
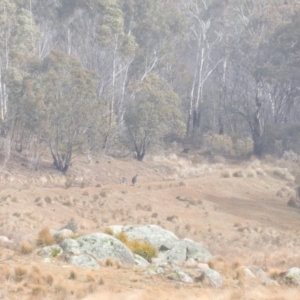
(84,260)
(71,246)
(158,237)
(102,246)
(187,249)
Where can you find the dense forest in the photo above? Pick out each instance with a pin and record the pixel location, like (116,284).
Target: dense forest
(128,76)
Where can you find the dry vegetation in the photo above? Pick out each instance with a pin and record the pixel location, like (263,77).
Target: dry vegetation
(240,211)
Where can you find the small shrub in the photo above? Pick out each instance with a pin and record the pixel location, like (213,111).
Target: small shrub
(182,183)
(68,183)
(154,215)
(48,199)
(48,278)
(20,273)
(238,173)
(55,252)
(82,185)
(109,262)
(26,247)
(173,218)
(45,237)
(14,199)
(98,185)
(292,203)
(73,275)
(225,174)
(68,202)
(85,193)
(191,201)
(103,194)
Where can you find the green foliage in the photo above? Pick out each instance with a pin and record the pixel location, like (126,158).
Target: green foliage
(152,114)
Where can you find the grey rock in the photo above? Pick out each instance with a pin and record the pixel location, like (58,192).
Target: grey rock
(179,275)
(140,262)
(84,260)
(5,240)
(213,277)
(102,246)
(196,250)
(177,254)
(292,276)
(155,235)
(202,267)
(54,250)
(70,246)
(63,234)
(155,269)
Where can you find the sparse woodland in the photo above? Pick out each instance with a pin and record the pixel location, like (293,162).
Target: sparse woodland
(132,76)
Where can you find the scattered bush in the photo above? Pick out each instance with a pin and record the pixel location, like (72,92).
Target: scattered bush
(48,199)
(26,247)
(45,237)
(238,173)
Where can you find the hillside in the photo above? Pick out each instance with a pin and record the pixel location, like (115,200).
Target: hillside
(237,209)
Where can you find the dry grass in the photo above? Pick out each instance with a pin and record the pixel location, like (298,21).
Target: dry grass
(139,247)
(26,247)
(20,273)
(45,238)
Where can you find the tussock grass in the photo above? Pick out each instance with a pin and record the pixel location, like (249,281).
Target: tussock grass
(139,247)
(109,231)
(20,273)
(26,247)
(45,237)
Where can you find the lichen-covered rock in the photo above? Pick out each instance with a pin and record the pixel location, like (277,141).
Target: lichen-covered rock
(155,269)
(292,276)
(102,246)
(63,234)
(213,277)
(140,262)
(179,275)
(156,236)
(53,251)
(70,246)
(196,250)
(83,260)
(187,249)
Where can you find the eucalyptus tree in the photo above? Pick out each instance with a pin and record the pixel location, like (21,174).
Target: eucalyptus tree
(70,100)
(204,38)
(153,112)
